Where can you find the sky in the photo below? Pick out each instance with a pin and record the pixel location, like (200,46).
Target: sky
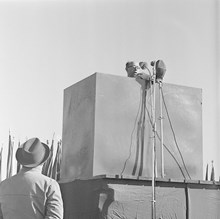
(49,45)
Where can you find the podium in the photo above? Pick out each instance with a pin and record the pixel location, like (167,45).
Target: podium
(100,120)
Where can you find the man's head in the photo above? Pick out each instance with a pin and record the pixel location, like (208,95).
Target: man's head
(133,68)
(32,153)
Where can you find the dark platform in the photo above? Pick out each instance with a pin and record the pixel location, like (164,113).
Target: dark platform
(115,197)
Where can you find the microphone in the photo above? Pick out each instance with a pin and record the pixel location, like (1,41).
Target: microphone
(143,65)
(152,63)
(143,75)
(160,70)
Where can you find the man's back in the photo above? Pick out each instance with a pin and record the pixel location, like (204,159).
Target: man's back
(29,194)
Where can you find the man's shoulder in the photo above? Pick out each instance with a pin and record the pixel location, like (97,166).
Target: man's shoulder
(7,180)
(48,179)
(6,183)
(39,177)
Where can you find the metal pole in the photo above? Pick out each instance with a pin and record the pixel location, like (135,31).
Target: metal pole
(161,129)
(154,145)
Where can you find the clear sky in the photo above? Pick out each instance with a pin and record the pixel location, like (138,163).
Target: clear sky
(46,46)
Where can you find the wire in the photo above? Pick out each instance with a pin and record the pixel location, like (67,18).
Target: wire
(167,148)
(131,140)
(174,136)
(160,139)
(132,133)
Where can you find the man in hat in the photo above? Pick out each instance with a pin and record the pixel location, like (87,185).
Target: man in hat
(29,194)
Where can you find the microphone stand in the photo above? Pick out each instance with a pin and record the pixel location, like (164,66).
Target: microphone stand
(161,127)
(154,145)
(154,167)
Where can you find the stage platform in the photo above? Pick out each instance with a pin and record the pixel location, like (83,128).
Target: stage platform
(126,197)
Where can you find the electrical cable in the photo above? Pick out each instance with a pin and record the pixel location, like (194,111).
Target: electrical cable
(142,131)
(132,133)
(167,148)
(174,136)
(163,143)
(125,163)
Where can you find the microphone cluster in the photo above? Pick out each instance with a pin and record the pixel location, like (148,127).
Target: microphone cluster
(159,67)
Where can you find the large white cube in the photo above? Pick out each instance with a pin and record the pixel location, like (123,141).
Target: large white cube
(100,124)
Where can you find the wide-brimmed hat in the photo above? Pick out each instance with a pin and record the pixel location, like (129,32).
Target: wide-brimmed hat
(32,153)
